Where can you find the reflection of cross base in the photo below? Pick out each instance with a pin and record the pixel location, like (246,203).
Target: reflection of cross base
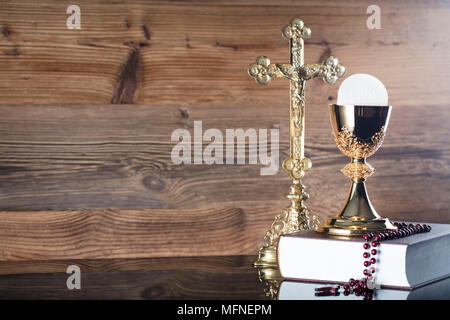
(271,279)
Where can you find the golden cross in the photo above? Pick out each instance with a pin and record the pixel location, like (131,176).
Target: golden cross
(296,71)
(296,216)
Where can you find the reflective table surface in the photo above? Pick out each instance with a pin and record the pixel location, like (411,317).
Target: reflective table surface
(231,277)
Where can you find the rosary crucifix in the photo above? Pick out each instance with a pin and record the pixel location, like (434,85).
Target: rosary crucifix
(296,216)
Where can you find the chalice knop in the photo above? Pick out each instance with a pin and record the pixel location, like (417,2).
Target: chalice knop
(358,132)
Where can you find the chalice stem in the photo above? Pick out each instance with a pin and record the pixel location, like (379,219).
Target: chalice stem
(358,206)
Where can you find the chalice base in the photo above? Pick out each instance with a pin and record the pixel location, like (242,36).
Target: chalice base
(349,227)
(357,217)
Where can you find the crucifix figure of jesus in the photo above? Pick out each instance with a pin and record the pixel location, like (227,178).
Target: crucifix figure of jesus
(296,216)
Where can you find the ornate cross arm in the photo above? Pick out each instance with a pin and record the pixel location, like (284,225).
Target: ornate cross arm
(330,71)
(263,71)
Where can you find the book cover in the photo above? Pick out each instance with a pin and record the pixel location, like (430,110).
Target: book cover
(404,263)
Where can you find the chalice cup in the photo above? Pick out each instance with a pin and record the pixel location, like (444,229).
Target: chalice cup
(358,132)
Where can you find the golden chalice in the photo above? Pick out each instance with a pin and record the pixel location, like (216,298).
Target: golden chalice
(358,132)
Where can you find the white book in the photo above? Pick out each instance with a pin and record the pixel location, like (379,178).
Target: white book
(405,263)
(293,290)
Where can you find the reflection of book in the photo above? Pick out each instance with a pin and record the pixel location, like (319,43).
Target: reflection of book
(292,290)
(405,263)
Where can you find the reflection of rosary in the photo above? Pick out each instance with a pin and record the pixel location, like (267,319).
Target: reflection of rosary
(366,286)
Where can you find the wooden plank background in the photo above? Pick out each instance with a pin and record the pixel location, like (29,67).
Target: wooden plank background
(87,115)
(191,53)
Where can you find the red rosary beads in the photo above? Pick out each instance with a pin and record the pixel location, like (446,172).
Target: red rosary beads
(365,286)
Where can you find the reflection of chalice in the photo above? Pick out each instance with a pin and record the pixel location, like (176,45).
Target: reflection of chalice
(358,133)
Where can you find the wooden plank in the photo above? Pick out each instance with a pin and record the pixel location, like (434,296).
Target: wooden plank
(44,74)
(103,234)
(191,53)
(215,278)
